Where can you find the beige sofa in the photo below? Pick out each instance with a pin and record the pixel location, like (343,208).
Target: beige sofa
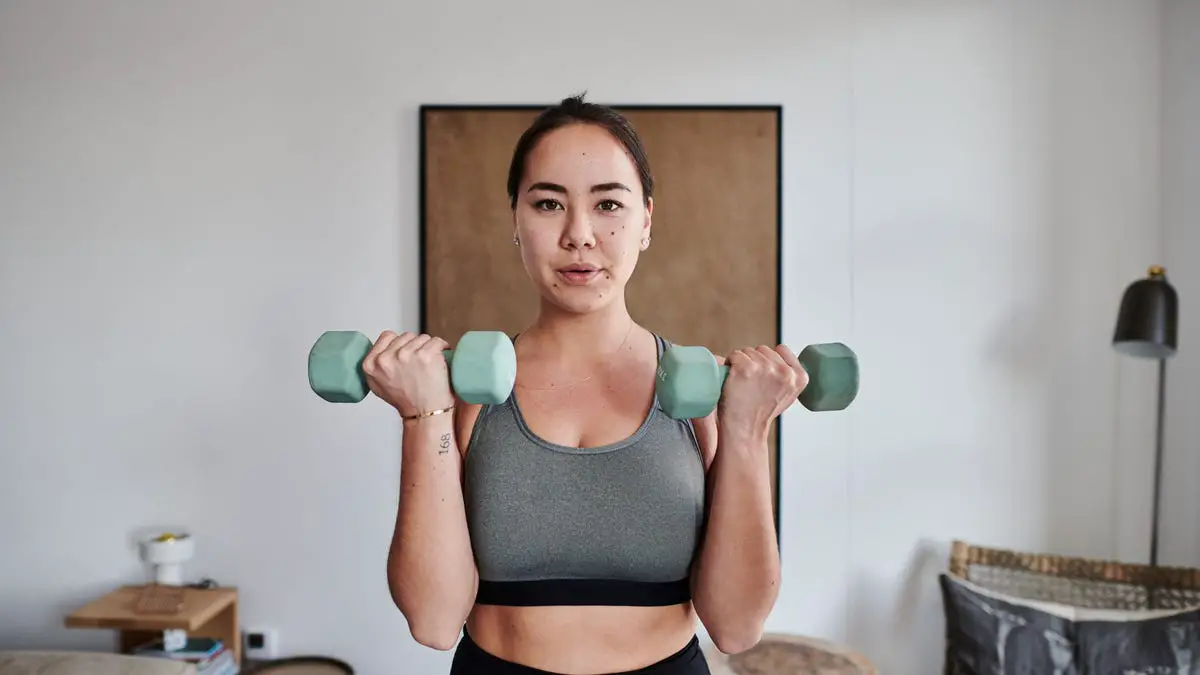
(34,662)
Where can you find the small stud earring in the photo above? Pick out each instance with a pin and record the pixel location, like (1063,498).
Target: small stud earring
(516,242)
(645,243)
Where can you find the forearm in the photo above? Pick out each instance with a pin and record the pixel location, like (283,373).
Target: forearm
(736,579)
(431,569)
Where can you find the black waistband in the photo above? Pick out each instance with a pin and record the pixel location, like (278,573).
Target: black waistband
(583,592)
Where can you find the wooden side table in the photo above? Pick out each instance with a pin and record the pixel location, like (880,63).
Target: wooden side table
(202,612)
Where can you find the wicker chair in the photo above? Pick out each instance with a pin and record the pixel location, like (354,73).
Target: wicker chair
(781,654)
(1079,582)
(1133,618)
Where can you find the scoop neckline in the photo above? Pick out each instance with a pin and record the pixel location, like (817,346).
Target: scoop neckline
(629,440)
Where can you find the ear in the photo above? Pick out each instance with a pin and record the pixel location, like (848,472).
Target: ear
(649,213)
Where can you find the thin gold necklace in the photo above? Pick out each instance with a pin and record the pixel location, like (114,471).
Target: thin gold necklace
(628,331)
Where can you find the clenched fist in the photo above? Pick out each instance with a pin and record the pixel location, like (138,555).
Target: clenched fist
(762,382)
(409,372)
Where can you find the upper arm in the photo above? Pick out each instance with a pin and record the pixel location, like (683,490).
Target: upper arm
(706,437)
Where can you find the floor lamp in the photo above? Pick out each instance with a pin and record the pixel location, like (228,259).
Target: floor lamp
(1147,327)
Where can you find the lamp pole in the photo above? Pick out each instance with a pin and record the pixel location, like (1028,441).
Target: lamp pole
(1158,460)
(1147,327)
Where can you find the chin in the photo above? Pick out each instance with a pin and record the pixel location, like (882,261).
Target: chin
(580,300)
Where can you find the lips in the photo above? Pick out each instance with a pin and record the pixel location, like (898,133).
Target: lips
(578,274)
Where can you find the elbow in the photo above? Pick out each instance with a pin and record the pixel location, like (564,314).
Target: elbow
(735,640)
(735,629)
(441,637)
(436,629)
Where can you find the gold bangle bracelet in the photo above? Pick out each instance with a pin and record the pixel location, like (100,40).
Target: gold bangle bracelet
(430,413)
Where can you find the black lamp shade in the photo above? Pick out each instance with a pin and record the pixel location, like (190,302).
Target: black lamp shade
(1147,323)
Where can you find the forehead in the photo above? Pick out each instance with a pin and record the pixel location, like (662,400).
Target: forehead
(582,152)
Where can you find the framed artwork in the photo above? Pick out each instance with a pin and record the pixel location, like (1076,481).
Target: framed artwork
(712,275)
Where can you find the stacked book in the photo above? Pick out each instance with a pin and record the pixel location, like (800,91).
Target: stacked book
(209,655)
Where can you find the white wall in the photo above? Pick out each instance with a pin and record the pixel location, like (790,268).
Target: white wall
(1181,237)
(189,195)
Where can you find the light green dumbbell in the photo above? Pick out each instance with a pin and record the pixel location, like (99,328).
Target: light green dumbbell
(690,379)
(483,366)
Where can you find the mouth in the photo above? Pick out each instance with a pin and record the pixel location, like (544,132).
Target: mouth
(578,274)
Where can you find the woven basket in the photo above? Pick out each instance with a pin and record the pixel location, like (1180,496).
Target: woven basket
(1079,582)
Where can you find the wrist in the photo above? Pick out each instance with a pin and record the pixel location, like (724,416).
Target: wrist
(421,413)
(748,435)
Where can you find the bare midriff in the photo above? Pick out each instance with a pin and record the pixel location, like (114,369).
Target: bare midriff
(575,640)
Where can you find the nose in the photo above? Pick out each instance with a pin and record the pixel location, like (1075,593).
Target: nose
(579,232)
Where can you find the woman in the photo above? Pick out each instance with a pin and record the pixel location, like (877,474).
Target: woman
(576,529)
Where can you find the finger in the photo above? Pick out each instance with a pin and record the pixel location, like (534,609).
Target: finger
(785,353)
(411,346)
(790,358)
(382,343)
(387,357)
(435,345)
(395,348)
(737,359)
(401,340)
(770,355)
(761,359)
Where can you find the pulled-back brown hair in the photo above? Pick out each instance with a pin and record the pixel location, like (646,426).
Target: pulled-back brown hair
(574,110)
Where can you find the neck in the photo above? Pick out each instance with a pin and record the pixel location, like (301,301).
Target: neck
(580,338)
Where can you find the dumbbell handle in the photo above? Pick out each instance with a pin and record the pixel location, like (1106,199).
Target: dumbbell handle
(690,380)
(482,366)
(822,393)
(813,398)
(354,353)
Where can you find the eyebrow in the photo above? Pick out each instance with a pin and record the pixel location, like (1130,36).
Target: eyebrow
(602,187)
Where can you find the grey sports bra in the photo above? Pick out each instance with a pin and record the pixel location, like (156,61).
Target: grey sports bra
(612,525)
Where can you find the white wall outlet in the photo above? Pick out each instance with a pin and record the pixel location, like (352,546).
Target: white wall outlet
(260,643)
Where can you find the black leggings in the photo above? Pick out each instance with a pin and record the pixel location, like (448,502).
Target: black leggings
(471,659)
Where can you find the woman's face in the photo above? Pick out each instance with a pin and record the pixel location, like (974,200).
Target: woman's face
(580,217)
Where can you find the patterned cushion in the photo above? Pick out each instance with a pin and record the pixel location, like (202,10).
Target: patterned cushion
(989,632)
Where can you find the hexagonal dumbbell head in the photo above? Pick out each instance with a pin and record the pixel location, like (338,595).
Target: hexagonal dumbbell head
(483,367)
(335,366)
(832,376)
(689,382)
